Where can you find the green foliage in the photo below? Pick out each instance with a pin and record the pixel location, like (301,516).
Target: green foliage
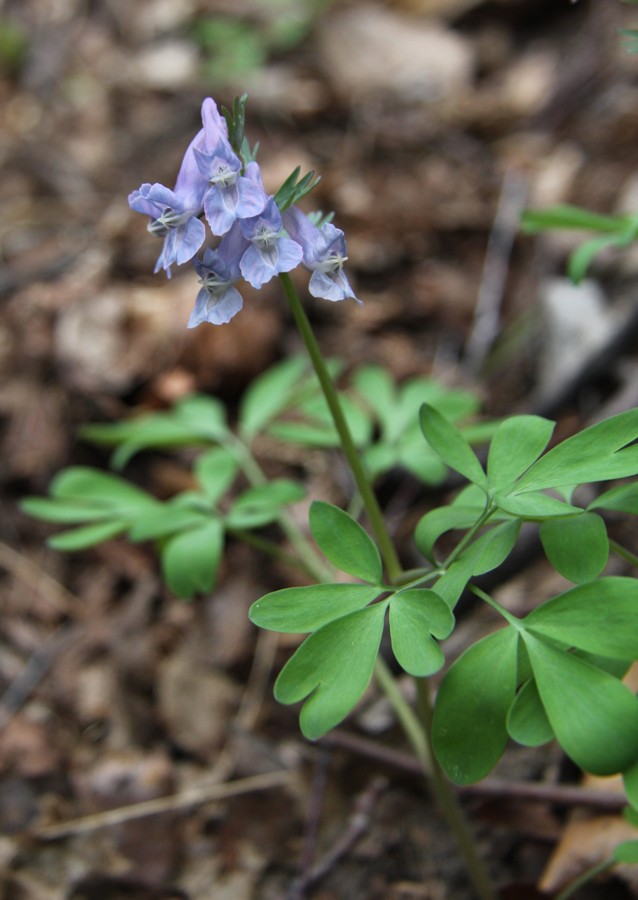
(14,45)
(469,731)
(415,615)
(234,47)
(344,542)
(294,188)
(577,546)
(332,669)
(612,231)
(589,710)
(194,421)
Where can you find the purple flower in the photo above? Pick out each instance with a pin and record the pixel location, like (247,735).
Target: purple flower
(270,251)
(174,217)
(175,214)
(324,253)
(219,300)
(230,195)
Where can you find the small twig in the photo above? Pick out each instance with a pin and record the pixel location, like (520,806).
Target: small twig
(556,794)
(39,663)
(495,268)
(357,826)
(38,580)
(195,796)
(312,823)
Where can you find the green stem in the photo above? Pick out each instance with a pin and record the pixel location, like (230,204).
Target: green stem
(386,547)
(585,878)
(410,724)
(270,548)
(512,620)
(469,536)
(310,559)
(448,802)
(627,555)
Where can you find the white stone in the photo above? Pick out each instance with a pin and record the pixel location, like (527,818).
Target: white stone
(369,50)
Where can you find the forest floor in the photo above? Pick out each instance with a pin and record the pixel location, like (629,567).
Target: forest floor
(433,124)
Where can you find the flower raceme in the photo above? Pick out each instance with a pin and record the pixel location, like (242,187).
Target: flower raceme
(257,235)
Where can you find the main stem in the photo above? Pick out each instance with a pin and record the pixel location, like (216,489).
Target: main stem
(448,802)
(370,502)
(419,732)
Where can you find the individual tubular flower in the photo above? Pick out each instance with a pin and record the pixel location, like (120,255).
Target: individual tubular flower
(174,217)
(219,300)
(270,251)
(175,214)
(324,253)
(230,195)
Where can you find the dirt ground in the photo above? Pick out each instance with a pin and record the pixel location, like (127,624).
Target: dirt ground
(433,124)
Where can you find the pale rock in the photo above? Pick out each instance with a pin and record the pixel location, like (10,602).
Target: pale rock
(576,324)
(169,65)
(368,50)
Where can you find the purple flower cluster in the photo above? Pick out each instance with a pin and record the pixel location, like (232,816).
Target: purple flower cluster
(255,241)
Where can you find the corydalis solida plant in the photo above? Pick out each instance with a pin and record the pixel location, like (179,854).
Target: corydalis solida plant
(554,674)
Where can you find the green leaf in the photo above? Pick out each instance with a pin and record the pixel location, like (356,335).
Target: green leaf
(631,815)
(599,617)
(517,443)
(623,498)
(262,504)
(206,416)
(630,780)
(332,668)
(194,420)
(190,559)
(344,542)
(299,610)
(436,522)
(593,715)
(599,453)
(318,430)
(165,519)
(534,505)
(468,729)
(576,546)
(64,513)
(294,188)
(97,487)
(87,536)
(626,852)
(570,217)
(215,471)
(269,395)
(582,257)
(376,386)
(527,722)
(415,614)
(450,445)
(421,461)
(493,547)
(452,583)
